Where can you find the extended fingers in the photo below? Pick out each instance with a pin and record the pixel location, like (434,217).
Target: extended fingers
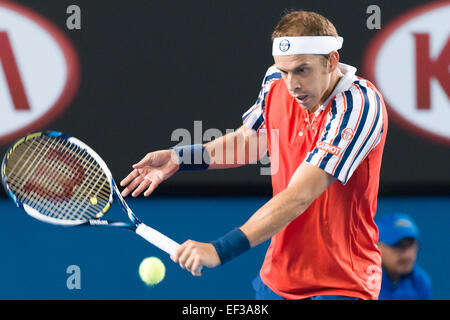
(155,181)
(129,178)
(142,186)
(136,182)
(146,161)
(139,183)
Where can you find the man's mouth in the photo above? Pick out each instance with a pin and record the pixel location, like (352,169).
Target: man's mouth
(302,98)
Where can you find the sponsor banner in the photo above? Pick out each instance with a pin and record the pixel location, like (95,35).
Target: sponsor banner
(409,61)
(39,71)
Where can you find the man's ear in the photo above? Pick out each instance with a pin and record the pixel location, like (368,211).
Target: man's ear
(333,61)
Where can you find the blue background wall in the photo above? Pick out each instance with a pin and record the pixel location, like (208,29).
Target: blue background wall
(35,255)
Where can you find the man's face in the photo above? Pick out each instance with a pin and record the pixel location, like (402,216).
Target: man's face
(399,260)
(307,77)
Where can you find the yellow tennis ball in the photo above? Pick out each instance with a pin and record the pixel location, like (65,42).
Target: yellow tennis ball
(94,201)
(152,271)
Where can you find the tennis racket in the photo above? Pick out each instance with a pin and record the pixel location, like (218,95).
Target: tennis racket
(58,179)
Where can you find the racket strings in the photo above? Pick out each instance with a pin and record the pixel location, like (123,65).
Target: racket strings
(71,151)
(100,183)
(46,174)
(43,178)
(26,169)
(25,152)
(37,199)
(30,166)
(66,166)
(81,191)
(48,177)
(34,166)
(94,173)
(25,160)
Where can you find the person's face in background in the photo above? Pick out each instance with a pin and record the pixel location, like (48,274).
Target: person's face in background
(398,260)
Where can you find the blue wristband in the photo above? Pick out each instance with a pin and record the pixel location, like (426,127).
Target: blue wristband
(192,157)
(231,245)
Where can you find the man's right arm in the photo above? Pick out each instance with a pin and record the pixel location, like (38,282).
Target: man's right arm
(232,150)
(236,149)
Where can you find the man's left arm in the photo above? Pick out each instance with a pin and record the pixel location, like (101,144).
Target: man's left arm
(307,183)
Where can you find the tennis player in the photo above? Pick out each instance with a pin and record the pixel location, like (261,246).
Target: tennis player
(329,127)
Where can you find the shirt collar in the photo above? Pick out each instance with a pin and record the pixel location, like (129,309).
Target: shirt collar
(343,85)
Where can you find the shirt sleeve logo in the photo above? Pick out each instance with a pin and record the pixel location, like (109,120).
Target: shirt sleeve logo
(347,134)
(325,146)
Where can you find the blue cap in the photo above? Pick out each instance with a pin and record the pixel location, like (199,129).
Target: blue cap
(394,227)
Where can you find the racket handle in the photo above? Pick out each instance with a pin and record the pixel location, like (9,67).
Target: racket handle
(157,238)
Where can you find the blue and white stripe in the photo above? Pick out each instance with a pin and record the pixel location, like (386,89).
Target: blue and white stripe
(359,109)
(254,117)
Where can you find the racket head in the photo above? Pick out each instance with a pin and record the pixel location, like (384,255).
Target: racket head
(57,179)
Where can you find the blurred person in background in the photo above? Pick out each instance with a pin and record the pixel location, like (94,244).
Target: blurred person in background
(402,278)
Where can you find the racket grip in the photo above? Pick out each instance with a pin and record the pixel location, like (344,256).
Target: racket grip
(157,238)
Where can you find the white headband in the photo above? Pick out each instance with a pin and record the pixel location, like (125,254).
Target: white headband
(286,46)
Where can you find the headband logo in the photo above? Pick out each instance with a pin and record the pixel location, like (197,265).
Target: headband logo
(284,45)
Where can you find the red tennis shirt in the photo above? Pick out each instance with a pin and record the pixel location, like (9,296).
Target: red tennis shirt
(330,249)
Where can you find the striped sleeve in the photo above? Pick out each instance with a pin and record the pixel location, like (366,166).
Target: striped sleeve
(354,127)
(253,118)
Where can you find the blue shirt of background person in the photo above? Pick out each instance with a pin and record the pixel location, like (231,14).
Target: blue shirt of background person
(402,278)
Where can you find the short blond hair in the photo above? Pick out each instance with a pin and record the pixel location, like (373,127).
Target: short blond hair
(304,23)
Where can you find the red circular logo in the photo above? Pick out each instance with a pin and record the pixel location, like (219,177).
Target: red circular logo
(347,134)
(40,74)
(414,50)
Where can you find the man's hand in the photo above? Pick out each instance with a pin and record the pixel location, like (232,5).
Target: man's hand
(148,173)
(192,255)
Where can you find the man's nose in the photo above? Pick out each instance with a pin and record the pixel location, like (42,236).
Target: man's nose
(292,83)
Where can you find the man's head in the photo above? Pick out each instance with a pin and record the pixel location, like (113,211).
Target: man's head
(309,77)
(398,243)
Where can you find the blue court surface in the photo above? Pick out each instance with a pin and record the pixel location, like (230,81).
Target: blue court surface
(35,256)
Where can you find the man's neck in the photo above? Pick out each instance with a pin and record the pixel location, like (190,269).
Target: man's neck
(335,78)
